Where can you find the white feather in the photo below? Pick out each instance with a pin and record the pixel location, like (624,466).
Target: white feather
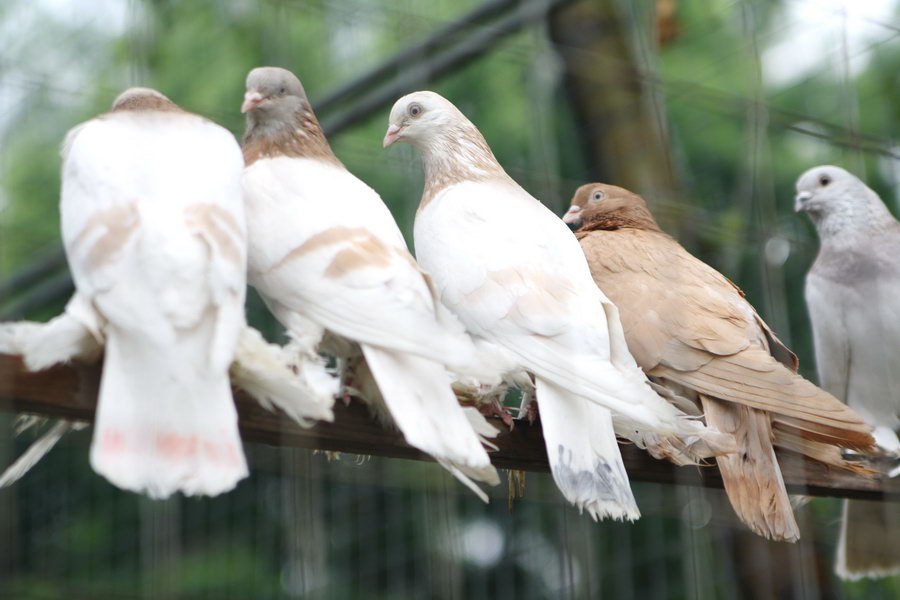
(417,394)
(584,455)
(304,218)
(60,340)
(267,372)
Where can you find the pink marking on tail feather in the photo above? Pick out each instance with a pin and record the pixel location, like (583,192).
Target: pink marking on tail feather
(112,440)
(175,445)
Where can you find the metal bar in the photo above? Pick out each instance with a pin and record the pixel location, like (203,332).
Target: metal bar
(444,63)
(71,392)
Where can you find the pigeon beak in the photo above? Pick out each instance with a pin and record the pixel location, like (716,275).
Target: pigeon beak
(801,200)
(573,216)
(392,135)
(251,100)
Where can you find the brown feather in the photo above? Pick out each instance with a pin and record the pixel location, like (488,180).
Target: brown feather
(687,323)
(752,476)
(691,329)
(790,439)
(301,138)
(143,99)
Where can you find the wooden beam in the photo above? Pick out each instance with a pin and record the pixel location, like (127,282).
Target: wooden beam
(71,392)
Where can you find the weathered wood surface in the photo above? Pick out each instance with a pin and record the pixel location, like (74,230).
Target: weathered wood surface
(71,392)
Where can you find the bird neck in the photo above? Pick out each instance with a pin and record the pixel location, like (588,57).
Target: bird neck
(456,155)
(296,135)
(851,222)
(633,218)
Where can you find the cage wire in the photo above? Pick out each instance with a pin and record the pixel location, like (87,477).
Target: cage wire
(306,525)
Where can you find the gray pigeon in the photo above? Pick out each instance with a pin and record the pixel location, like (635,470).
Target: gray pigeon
(853,295)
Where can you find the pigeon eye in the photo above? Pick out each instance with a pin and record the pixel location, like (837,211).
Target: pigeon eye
(282,91)
(415,110)
(824,180)
(597,196)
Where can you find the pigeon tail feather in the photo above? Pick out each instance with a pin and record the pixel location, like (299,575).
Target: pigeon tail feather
(584,455)
(164,422)
(868,545)
(418,396)
(752,477)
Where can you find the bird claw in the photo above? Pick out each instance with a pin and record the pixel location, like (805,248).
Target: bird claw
(531,412)
(348,392)
(494,408)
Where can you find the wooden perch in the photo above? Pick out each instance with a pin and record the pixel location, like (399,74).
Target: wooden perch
(71,392)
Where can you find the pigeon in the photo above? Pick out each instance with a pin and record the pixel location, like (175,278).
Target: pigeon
(154,233)
(153,226)
(331,264)
(515,277)
(695,335)
(304,390)
(852,294)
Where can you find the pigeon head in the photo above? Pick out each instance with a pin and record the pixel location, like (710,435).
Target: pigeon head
(139,98)
(452,148)
(835,199)
(825,188)
(604,206)
(423,117)
(273,94)
(280,119)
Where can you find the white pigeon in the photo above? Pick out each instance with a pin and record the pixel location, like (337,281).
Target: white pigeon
(853,295)
(153,227)
(327,256)
(119,273)
(303,389)
(515,276)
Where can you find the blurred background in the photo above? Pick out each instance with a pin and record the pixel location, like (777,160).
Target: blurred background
(709,108)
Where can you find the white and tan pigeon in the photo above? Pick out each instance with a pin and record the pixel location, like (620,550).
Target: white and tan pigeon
(153,225)
(154,233)
(327,256)
(516,277)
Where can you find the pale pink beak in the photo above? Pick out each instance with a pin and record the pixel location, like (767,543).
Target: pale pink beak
(572,216)
(393,133)
(251,100)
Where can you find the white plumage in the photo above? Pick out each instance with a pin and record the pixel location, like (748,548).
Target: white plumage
(516,277)
(153,228)
(326,256)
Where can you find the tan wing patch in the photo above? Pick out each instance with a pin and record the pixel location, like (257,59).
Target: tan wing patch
(360,253)
(220,226)
(361,249)
(107,232)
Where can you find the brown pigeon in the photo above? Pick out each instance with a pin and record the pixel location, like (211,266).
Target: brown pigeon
(694,334)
